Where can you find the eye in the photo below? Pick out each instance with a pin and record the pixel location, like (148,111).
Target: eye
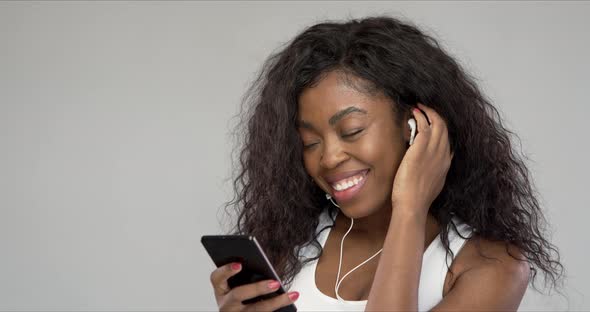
(309,146)
(352,133)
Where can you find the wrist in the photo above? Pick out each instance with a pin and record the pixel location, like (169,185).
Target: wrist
(409,211)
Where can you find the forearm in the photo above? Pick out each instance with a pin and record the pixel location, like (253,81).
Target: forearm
(395,286)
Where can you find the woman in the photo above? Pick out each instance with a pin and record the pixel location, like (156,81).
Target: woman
(329,157)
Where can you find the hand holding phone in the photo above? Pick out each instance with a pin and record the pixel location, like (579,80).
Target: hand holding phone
(244,279)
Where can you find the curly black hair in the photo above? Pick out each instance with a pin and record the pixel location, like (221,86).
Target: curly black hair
(488,185)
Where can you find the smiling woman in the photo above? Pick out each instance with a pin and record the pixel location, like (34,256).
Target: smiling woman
(449,222)
(347,134)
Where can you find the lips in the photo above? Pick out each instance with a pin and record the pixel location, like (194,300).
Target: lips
(346,185)
(333,178)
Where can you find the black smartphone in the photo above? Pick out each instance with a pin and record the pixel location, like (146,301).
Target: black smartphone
(224,249)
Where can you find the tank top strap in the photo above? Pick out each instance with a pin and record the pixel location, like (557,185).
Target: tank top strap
(434,266)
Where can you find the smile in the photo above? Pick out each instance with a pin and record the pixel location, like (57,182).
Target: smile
(347,183)
(347,188)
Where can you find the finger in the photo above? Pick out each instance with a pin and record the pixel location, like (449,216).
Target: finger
(437,124)
(254,290)
(431,114)
(446,139)
(446,150)
(444,147)
(421,123)
(275,303)
(220,275)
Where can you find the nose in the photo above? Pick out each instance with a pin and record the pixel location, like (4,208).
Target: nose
(333,154)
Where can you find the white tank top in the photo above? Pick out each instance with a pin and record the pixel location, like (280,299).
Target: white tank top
(432,276)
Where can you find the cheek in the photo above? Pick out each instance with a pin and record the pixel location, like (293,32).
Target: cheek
(310,164)
(385,156)
(375,148)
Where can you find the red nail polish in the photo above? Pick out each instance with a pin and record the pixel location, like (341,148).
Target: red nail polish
(293,296)
(274,285)
(236,266)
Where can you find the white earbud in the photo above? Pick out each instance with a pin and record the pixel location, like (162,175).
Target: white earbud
(328,197)
(412,124)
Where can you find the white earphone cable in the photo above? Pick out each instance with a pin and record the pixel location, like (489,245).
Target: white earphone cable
(340,262)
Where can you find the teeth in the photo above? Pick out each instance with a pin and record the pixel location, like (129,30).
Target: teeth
(341,186)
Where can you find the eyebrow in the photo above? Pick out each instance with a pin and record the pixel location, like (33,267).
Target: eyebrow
(339,115)
(336,117)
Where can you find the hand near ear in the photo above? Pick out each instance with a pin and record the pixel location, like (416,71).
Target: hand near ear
(422,172)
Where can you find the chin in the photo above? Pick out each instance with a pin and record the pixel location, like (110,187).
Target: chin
(361,209)
(355,213)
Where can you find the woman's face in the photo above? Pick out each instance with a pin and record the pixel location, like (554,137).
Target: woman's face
(352,144)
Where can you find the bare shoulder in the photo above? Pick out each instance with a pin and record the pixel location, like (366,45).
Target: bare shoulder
(496,264)
(479,251)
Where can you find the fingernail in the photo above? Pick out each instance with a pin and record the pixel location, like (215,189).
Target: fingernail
(293,296)
(416,110)
(236,266)
(274,285)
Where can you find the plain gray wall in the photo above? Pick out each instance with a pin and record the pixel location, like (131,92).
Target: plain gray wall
(115,121)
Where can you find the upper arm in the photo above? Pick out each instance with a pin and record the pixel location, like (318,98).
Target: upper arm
(497,286)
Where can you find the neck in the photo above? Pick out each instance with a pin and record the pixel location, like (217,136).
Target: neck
(373,228)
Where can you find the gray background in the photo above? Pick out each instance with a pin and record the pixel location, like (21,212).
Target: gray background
(115,146)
